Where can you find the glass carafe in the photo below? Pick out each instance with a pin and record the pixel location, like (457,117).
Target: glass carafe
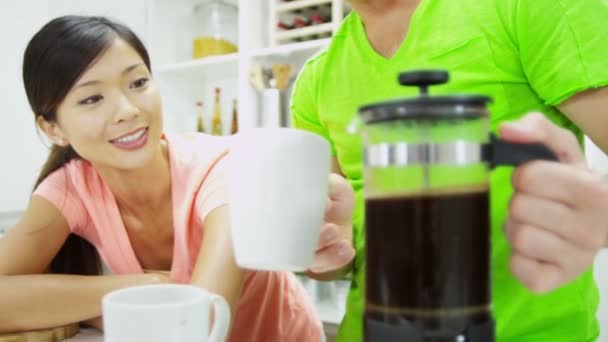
(427,164)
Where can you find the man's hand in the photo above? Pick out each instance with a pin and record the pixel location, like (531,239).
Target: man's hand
(558,215)
(335,251)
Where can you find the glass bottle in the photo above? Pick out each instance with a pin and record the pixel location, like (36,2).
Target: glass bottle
(235,122)
(216,124)
(200,120)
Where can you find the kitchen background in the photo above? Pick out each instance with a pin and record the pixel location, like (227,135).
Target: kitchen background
(218,64)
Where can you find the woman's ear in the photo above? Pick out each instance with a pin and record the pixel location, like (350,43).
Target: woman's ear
(52,131)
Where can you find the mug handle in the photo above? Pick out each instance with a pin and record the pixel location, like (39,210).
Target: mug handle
(499,152)
(221,318)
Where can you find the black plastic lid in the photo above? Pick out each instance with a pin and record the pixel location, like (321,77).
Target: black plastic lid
(426,107)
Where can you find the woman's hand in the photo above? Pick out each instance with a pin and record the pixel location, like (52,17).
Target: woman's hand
(157,276)
(96,323)
(558,215)
(335,251)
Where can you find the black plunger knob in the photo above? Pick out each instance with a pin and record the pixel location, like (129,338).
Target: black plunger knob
(423,79)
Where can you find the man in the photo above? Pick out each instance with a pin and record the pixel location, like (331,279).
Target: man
(548,219)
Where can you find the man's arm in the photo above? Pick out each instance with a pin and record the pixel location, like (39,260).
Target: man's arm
(589,111)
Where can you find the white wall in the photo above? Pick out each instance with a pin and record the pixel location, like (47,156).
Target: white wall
(22,151)
(128,12)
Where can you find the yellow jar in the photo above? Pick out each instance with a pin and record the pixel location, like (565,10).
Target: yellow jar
(216,29)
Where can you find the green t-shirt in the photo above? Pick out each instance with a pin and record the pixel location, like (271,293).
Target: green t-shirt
(527,55)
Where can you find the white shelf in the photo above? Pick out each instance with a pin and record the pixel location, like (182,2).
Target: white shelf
(189,2)
(277,9)
(308,47)
(183,81)
(208,62)
(196,73)
(294,5)
(304,31)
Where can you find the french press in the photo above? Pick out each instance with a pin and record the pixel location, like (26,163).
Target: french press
(427,165)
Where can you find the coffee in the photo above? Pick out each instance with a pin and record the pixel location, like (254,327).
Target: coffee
(427,263)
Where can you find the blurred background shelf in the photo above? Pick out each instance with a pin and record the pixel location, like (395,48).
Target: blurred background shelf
(299,4)
(223,63)
(307,48)
(171,27)
(305,31)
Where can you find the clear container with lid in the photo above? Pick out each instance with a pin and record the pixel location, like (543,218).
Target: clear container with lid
(215,29)
(427,213)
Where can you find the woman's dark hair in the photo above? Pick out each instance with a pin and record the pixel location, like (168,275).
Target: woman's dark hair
(54,60)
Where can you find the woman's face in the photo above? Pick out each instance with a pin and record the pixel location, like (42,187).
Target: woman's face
(112,116)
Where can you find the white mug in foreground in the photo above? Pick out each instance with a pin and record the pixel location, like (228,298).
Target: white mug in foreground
(278,194)
(164,313)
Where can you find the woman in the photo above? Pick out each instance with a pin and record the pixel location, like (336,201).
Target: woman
(114,184)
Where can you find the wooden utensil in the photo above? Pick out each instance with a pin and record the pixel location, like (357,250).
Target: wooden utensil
(43,335)
(256,77)
(282,73)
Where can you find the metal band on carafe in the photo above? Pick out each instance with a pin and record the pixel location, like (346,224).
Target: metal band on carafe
(454,153)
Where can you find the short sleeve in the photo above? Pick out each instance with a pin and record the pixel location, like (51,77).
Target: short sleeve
(213,191)
(304,110)
(59,190)
(563,45)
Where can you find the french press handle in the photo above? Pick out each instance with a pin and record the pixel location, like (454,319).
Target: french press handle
(499,152)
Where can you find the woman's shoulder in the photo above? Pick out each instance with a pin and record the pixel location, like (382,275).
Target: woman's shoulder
(73,173)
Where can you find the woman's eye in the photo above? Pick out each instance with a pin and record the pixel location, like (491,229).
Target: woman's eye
(91,100)
(139,83)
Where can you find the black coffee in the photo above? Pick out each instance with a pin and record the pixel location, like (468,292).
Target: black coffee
(427,265)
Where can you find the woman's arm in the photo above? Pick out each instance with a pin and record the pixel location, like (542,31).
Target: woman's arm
(216,269)
(32,300)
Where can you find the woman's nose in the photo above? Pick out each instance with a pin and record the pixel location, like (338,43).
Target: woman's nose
(125,109)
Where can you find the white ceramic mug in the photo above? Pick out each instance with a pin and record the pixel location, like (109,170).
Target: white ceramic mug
(278,194)
(164,313)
